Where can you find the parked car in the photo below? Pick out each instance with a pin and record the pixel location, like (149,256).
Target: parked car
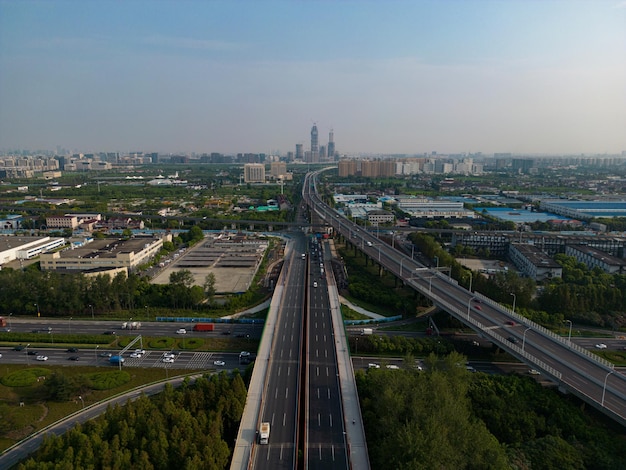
(42,358)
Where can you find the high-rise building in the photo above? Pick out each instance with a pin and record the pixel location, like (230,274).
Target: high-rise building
(254,173)
(331,145)
(314,145)
(299,152)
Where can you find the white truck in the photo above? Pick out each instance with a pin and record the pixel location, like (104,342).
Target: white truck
(367,331)
(264,433)
(127,325)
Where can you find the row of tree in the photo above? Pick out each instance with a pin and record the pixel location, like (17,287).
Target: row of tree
(448,418)
(192,427)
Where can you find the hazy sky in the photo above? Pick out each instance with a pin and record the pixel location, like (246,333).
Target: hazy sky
(253,76)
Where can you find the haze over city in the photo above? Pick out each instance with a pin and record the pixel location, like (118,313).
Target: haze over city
(388,77)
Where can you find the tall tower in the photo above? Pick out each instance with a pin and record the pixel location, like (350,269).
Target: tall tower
(331,145)
(314,145)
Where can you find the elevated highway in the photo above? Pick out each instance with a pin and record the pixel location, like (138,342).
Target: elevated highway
(574,369)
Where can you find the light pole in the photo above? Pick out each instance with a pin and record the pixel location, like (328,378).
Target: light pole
(356,346)
(514,299)
(91,306)
(95,354)
(10,315)
(604,388)
(26,348)
(524,338)
(471,279)
(38,312)
(401,260)
(437,261)
(569,336)
(82,401)
(69,326)
(469,304)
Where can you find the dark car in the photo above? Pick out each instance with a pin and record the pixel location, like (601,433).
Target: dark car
(478,307)
(225,332)
(513,339)
(19,348)
(73,358)
(511,322)
(72,350)
(111,332)
(32,353)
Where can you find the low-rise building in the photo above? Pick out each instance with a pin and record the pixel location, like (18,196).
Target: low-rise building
(593,258)
(534,263)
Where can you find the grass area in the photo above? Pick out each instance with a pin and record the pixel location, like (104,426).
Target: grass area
(616,357)
(37,413)
(349,314)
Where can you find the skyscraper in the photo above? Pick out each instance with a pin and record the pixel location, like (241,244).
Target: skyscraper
(299,152)
(314,145)
(331,145)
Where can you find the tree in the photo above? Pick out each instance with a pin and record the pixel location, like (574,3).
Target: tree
(184,277)
(209,286)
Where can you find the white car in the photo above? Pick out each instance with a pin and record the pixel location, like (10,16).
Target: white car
(315,284)
(181,331)
(534,372)
(140,351)
(601,346)
(42,358)
(135,355)
(170,355)
(373,366)
(168,360)
(219,363)
(392,366)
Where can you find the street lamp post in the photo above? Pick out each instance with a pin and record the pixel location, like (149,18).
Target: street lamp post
(91,306)
(69,326)
(569,336)
(514,299)
(471,279)
(604,387)
(401,260)
(10,315)
(437,261)
(38,312)
(524,338)
(26,349)
(95,354)
(469,304)
(82,401)
(356,346)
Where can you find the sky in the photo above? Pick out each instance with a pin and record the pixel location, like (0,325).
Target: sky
(389,77)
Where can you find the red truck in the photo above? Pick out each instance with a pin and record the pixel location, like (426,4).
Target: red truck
(3,322)
(203,327)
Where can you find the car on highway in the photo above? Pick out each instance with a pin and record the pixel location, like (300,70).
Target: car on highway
(135,355)
(42,358)
(513,339)
(534,372)
(478,307)
(32,352)
(110,332)
(168,360)
(181,331)
(141,352)
(511,322)
(72,350)
(73,358)
(105,354)
(392,366)
(315,284)
(19,348)
(226,332)
(0,354)
(373,366)
(219,363)
(170,355)
(601,346)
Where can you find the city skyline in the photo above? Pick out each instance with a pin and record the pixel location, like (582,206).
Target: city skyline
(388,78)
